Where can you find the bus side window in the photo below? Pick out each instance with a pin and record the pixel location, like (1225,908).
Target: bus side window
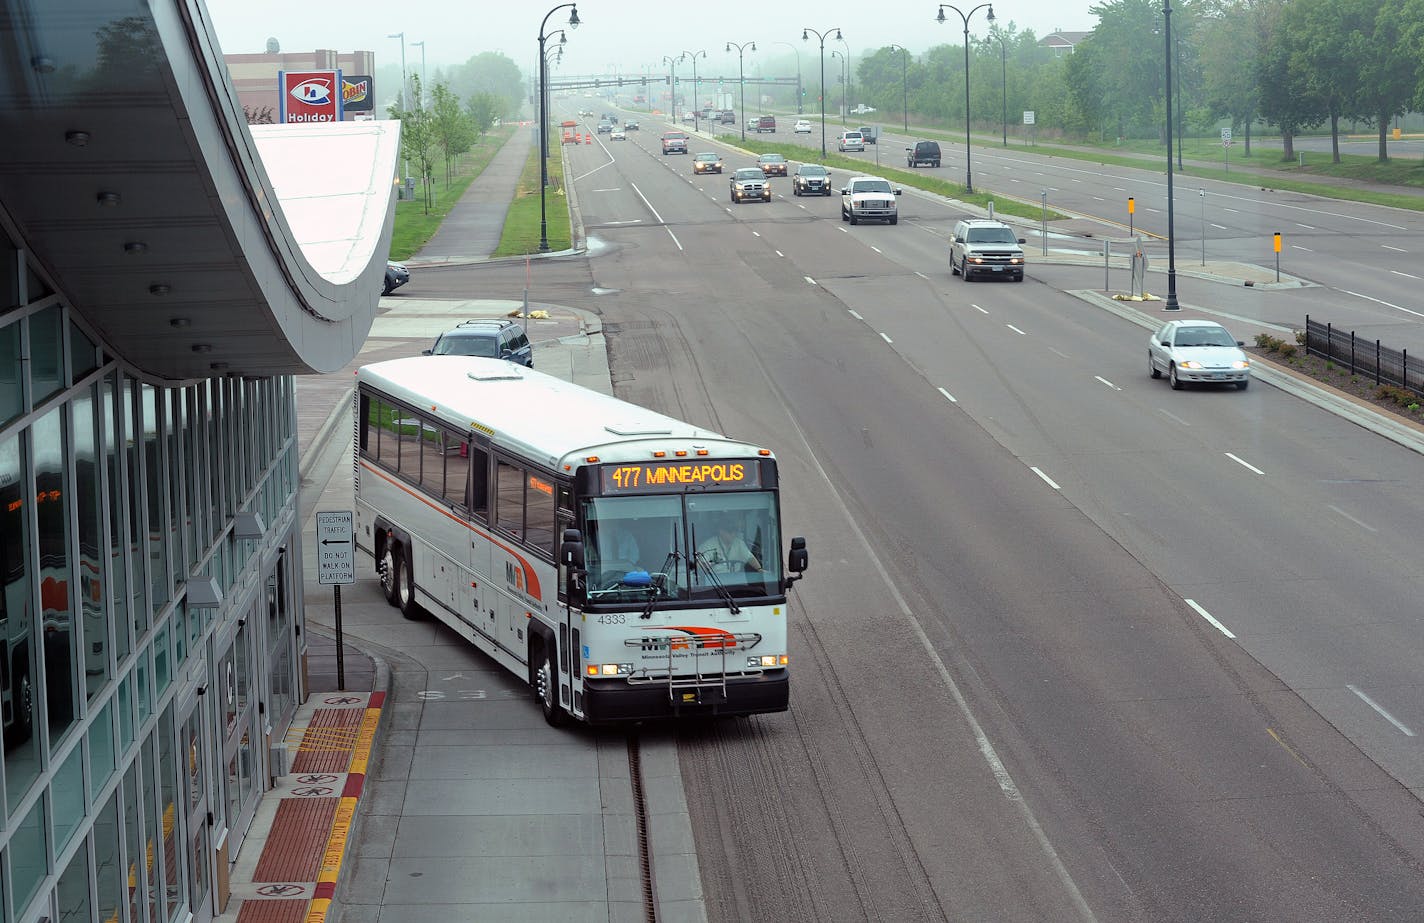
(539,513)
(432,459)
(457,469)
(479,483)
(367,407)
(509,499)
(375,422)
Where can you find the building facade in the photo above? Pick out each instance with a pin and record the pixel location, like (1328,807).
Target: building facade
(254,76)
(150,621)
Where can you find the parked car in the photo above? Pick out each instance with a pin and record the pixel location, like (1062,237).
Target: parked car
(490,338)
(707,163)
(396,276)
(803,127)
(811,179)
(924,153)
(850,141)
(985,247)
(750,183)
(1197,351)
(772,164)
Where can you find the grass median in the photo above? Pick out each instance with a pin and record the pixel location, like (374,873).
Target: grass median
(521,223)
(413,225)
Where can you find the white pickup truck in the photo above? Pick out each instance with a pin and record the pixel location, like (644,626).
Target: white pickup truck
(869,198)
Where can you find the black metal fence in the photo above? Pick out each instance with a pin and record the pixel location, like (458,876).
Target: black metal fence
(1364,357)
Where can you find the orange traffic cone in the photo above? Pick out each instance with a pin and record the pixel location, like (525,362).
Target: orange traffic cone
(588,139)
(578,138)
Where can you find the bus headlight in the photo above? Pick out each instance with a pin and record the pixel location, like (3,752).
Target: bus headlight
(610,669)
(768,660)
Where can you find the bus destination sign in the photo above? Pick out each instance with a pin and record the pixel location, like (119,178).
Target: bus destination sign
(700,474)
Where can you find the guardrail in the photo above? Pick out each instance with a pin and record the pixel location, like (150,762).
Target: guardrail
(1388,366)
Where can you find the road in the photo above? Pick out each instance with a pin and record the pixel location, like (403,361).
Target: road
(1073,645)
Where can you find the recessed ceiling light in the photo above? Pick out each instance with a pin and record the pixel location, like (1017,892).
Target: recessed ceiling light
(218,366)
(135,247)
(109,199)
(77,138)
(202,347)
(159,288)
(179,322)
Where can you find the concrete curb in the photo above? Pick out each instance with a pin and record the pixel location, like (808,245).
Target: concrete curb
(341,410)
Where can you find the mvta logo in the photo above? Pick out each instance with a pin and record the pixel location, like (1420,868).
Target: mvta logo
(514,576)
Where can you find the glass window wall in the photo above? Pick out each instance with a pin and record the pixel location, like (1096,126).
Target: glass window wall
(108,864)
(89,510)
(67,792)
(12,395)
(29,857)
(46,352)
(101,749)
(22,761)
(51,495)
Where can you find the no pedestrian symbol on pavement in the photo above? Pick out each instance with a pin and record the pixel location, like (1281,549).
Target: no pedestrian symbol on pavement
(335,552)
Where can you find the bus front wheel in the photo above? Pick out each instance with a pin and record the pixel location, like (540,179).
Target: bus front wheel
(546,688)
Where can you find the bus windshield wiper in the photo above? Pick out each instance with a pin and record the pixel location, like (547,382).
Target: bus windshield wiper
(717,584)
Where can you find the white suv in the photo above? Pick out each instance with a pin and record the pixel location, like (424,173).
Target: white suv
(985,247)
(851,141)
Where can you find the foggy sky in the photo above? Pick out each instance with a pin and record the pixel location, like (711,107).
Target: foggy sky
(617,36)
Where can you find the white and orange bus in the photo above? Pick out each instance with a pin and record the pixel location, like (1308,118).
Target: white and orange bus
(626,564)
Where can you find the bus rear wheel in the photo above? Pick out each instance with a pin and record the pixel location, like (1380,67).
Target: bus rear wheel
(386,570)
(546,688)
(405,589)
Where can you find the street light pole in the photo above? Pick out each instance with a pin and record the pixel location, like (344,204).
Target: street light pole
(968,168)
(672,83)
(1180,132)
(845,92)
(420,103)
(693,55)
(1172,304)
(1004,81)
(840,76)
(797,52)
(742,48)
(544,119)
(821,36)
(405,103)
(904,83)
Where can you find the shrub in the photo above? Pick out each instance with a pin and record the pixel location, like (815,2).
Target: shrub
(1263,341)
(1300,337)
(1287,350)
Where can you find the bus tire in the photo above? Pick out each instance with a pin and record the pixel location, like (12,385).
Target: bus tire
(387,568)
(22,698)
(405,588)
(546,686)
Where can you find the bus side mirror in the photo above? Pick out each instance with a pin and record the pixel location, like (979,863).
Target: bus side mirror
(797,560)
(571,550)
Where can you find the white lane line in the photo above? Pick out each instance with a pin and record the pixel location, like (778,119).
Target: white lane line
(1378,301)
(1298,247)
(609,224)
(1173,416)
(979,309)
(948,396)
(1046,479)
(886,339)
(1306,226)
(779,253)
(1219,227)
(1098,198)
(612,189)
(674,237)
(799,205)
(1155,211)
(856,315)
(876,249)
(1395,249)
(1207,615)
(756,233)
(1106,382)
(1232,210)
(921,275)
(1376,706)
(1407,275)
(1363,525)
(1243,464)
(1016,330)
(844,230)
(1057,353)
(809,280)
(1117,189)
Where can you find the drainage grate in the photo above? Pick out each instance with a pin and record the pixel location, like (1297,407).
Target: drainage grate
(640,815)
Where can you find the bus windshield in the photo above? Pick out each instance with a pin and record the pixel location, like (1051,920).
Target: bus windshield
(693,546)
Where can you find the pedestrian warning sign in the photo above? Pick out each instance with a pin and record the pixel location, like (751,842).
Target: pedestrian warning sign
(335,548)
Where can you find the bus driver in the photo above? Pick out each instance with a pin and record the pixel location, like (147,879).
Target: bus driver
(727,552)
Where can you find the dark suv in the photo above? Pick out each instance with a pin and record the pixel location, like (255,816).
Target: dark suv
(924,153)
(491,338)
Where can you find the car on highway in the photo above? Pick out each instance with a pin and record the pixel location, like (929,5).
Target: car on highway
(871,133)
(707,163)
(727,117)
(617,134)
(604,127)
(766,123)
(924,153)
(869,198)
(772,164)
(675,142)
(811,179)
(689,116)
(630,125)
(750,183)
(1197,351)
(985,247)
(803,127)
(850,141)
(863,109)
(396,275)
(489,338)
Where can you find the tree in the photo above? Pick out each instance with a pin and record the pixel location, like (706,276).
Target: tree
(1288,93)
(1386,68)
(483,109)
(490,72)
(451,125)
(418,138)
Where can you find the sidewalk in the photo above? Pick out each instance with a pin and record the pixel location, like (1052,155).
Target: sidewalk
(472,229)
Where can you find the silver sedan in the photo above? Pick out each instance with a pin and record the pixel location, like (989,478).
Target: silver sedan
(1197,351)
